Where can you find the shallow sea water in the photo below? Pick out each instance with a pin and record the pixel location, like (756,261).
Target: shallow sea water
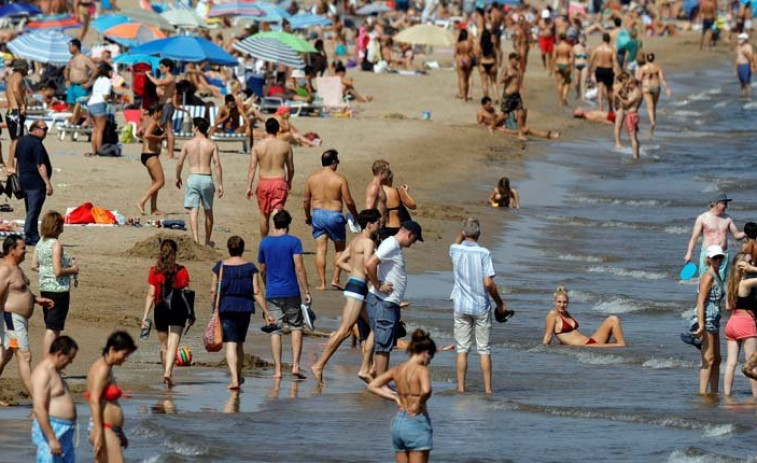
(614,231)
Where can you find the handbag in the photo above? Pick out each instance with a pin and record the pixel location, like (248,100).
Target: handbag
(212,338)
(13,187)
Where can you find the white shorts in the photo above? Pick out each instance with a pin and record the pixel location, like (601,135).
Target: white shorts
(16,331)
(468,325)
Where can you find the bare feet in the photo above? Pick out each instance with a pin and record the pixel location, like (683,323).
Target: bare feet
(158,212)
(336,285)
(168,382)
(277,375)
(317,373)
(321,287)
(141,209)
(298,375)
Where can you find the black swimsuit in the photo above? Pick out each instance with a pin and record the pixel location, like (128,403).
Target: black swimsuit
(146,156)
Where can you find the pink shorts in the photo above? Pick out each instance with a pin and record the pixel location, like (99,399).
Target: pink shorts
(740,326)
(272,194)
(632,122)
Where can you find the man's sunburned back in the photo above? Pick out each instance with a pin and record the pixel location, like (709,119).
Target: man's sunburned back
(272,155)
(18,299)
(326,190)
(200,155)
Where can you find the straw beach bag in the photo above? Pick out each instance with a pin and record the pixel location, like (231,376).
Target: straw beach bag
(212,338)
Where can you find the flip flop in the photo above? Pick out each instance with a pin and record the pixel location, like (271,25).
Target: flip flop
(689,338)
(503,317)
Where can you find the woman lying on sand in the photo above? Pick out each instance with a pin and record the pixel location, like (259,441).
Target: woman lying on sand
(560,323)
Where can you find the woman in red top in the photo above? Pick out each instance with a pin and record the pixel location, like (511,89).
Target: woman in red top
(165,276)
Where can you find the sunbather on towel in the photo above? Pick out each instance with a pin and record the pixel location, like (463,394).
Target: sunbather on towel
(289,132)
(228,119)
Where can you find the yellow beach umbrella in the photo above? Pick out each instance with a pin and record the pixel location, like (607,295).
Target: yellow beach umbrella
(425,35)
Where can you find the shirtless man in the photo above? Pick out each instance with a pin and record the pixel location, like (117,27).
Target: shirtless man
(15,92)
(602,63)
(79,73)
(745,62)
(497,24)
(326,193)
(511,100)
(546,40)
(375,196)
(713,224)
(353,261)
(594,115)
(82,10)
(489,117)
(54,425)
(630,102)
(201,153)
(708,12)
(522,41)
(564,60)
(227,121)
(17,303)
(166,90)
(276,161)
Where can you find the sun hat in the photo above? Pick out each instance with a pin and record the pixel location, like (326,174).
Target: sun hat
(714,250)
(545,14)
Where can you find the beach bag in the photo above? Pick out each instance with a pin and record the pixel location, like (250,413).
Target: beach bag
(623,38)
(182,300)
(212,338)
(13,187)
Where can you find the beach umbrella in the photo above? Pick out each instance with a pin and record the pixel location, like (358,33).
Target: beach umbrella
(425,35)
(306,20)
(292,41)
(147,17)
(133,34)
(129,59)
(103,23)
(271,50)
(272,13)
(235,8)
(373,8)
(187,49)
(46,46)
(54,21)
(183,19)
(19,9)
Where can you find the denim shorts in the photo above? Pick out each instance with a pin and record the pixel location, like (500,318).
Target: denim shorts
(98,109)
(711,319)
(329,223)
(234,326)
(384,318)
(412,433)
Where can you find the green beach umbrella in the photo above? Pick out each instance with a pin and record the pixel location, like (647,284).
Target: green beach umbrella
(292,41)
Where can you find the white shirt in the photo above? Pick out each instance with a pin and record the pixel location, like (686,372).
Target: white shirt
(101,88)
(391,269)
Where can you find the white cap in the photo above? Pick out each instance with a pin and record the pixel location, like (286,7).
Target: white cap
(298,74)
(545,14)
(743,37)
(715,250)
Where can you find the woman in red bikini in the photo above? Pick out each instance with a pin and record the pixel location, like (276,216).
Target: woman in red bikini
(106,425)
(560,323)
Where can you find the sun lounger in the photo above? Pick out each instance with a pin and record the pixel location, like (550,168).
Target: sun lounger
(269,105)
(75,131)
(182,120)
(223,137)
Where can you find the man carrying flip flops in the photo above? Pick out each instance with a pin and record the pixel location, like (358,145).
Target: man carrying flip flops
(474,272)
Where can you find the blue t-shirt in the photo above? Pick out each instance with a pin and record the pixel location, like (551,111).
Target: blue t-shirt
(277,253)
(237,293)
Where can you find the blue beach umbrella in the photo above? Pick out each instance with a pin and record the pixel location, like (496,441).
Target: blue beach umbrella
(305,20)
(19,9)
(187,49)
(130,59)
(104,23)
(45,46)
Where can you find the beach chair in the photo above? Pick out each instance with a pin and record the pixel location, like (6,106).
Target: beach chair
(331,91)
(225,138)
(270,104)
(182,120)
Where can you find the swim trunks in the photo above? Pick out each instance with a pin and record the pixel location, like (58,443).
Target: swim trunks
(384,318)
(412,433)
(16,331)
(146,156)
(55,318)
(707,25)
(740,326)
(272,194)
(74,92)
(15,123)
(168,111)
(547,44)
(632,122)
(356,288)
(64,430)
(511,102)
(200,190)
(329,223)
(611,117)
(744,72)
(285,310)
(605,76)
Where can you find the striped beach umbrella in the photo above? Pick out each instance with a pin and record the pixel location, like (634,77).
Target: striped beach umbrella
(46,46)
(133,34)
(54,21)
(235,8)
(147,17)
(271,50)
(306,20)
(294,42)
(271,13)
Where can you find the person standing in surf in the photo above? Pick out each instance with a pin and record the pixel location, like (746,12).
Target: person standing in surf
(713,225)
(711,292)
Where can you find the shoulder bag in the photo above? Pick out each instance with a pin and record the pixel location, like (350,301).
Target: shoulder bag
(212,338)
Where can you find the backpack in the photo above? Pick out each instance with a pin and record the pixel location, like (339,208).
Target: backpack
(177,299)
(623,38)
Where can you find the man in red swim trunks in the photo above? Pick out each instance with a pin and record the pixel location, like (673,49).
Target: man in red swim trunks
(276,162)
(546,39)
(631,102)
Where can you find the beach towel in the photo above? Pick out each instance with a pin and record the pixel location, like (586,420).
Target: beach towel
(331,92)
(80,215)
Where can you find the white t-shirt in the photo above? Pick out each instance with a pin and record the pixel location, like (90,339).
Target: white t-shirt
(101,88)
(391,269)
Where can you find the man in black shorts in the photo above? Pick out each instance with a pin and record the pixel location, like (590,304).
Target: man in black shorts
(15,92)
(603,62)
(511,101)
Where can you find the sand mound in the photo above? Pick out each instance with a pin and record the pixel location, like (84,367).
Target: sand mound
(188,249)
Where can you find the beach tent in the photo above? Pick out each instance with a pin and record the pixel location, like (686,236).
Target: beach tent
(188,50)
(271,50)
(47,46)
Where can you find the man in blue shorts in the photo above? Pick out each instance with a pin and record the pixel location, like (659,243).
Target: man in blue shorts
(326,193)
(282,269)
(386,273)
(79,74)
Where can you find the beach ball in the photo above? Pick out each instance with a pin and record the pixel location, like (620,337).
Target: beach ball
(183,357)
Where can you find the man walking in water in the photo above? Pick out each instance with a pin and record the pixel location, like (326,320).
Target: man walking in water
(166,90)
(713,224)
(326,194)
(353,261)
(201,153)
(708,12)
(54,425)
(17,303)
(512,78)
(276,161)
(602,63)
(745,61)
(15,92)
(630,103)
(473,271)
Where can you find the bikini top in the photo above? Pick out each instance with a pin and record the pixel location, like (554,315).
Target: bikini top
(748,302)
(567,327)
(111,393)
(581,56)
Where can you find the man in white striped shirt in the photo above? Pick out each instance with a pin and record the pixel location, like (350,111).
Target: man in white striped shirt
(473,272)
